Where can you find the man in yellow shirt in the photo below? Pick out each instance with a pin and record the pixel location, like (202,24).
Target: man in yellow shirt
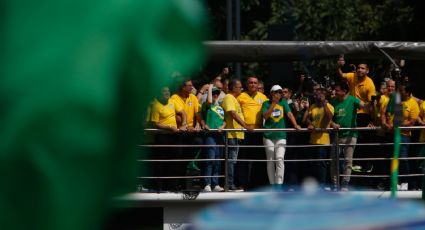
(382,167)
(163,116)
(251,174)
(234,120)
(410,116)
(361,86)
(189,102)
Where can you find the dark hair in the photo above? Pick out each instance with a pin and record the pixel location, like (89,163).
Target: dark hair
(363,62)
(407,87)
(216,92)
(233,82)
(343,85)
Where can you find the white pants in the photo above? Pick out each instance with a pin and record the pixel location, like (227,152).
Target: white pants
(275,152)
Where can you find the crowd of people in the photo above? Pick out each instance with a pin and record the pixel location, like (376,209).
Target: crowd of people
(193,120)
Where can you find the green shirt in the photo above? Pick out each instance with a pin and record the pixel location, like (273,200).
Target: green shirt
(213,115)
(346,114)
(276,119)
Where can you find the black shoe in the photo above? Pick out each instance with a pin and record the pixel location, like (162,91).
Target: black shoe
(236,189)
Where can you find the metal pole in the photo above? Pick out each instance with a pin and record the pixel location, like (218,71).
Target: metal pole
(335,162)
(229,20)
(226,162)
(238,34)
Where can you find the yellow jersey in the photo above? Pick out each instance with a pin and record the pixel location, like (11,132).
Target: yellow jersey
(230,103)
(317,115)
(190,106)
(410,111)
(164,114)
(251,108)
(363,90)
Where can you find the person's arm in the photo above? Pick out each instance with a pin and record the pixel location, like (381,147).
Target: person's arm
(210,97)
(384,119)
(328,113)
(240,121)
(201,91)
(203,122)
(198,119)
(222,127)
(183,116)
(307,119)
(269,111)
(293,121)
(340,63)
(335,125)
(166,127)
(409,122)
(420,120)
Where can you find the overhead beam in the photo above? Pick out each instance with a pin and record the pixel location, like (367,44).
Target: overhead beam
(266,51)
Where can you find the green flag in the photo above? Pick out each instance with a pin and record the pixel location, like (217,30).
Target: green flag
(76,77)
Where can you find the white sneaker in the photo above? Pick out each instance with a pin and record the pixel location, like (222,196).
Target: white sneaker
(217,188)
(207,189)
(404,186)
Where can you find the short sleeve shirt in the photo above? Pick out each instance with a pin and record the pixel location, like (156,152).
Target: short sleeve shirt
(276,119)
(318,115)
(251,108)
(363,90)
(190,106)
(230,103)
(164,114)
(410,111)
(346,115)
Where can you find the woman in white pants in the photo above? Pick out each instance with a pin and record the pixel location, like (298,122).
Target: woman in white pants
(274,111)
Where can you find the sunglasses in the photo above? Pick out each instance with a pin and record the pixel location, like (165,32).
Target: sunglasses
(277,91)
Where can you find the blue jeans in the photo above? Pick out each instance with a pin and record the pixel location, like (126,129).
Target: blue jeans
(322,166)
(404,153)
(212,168)
(232,156)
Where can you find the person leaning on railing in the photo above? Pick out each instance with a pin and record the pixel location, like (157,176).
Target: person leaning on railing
(251,174)
(189,102)
(319,116)
(163,117)
(213,118)
(234,120)
(410,115)
(274,111)
(345,106)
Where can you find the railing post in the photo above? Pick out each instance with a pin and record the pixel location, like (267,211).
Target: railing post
(226,161)
(335,161)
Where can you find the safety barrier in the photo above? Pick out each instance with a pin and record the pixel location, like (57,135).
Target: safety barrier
(334,154)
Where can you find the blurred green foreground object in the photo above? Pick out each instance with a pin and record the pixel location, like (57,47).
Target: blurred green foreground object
(76,77)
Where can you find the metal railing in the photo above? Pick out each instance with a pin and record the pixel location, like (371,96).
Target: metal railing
(334,154)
